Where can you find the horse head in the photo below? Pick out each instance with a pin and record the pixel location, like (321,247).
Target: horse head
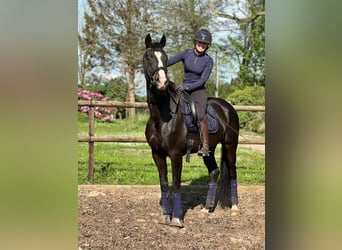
(155,63)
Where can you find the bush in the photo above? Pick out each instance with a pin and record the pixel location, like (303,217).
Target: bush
(250,95)
(102,113)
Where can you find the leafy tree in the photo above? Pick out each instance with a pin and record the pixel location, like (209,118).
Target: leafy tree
(88,46)
(115,31)
(247,47)
(113,38)
(180,19)
(115,89)
(249,95)
(226,89)
(250,51)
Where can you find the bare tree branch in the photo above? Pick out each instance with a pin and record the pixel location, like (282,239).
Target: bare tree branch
(247,19)
(235,18)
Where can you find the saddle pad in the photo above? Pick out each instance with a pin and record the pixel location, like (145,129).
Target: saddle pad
(192,127)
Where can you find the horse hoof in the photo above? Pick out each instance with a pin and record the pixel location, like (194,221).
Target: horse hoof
(205,210)
(165,219)
(176,222)
(234,211)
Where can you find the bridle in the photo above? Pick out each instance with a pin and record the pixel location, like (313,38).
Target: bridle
(153,75)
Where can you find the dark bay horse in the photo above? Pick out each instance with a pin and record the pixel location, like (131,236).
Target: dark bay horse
(167,135)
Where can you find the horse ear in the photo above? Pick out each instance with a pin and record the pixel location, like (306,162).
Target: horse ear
(163,41)
(148,41)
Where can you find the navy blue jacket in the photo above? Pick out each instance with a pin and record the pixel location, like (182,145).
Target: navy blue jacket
(197,68)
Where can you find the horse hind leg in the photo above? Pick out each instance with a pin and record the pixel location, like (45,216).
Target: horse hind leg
(233,179)
(213,172)
(211,196)
(228,193)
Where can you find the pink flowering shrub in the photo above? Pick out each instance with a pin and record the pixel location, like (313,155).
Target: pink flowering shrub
(102,113)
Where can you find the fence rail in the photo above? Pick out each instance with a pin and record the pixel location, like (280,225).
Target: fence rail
(91,138)
(142,139)
(92,103)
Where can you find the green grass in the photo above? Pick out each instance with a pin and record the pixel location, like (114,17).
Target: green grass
(125,127)
(132,163)
(250,166)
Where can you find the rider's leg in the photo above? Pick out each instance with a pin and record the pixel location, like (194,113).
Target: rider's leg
(200,98)
(204,135)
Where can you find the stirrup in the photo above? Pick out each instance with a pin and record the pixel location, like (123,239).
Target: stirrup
(203,151)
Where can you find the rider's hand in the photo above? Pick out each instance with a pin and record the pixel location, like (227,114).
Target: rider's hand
(181,88)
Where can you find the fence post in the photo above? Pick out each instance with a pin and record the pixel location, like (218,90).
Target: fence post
(91,146)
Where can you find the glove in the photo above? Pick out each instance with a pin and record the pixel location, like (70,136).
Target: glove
(181,88)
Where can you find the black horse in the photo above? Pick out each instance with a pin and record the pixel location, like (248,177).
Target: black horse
(168,136)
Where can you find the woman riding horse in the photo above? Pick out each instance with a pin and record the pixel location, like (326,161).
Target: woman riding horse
(167,135)
(197,69)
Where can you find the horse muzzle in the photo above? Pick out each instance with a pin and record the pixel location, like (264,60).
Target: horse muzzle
(160,80)
(162,85)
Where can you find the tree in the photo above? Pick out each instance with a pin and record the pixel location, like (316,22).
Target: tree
(250,95)
(119,27)
(247,47)
(180,21)
(112,38)
(87,48)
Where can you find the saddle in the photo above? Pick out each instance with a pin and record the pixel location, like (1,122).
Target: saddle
(190,119)
(190,115)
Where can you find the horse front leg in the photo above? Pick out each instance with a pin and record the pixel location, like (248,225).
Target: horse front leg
(177,218)
(160,161)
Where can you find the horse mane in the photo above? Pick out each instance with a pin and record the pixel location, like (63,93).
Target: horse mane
(174,97)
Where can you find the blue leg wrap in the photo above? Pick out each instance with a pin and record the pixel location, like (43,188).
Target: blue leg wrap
(211,195)
(177,205)
(234,195)
(165,201)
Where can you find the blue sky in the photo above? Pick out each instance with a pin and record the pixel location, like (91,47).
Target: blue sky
(80,4)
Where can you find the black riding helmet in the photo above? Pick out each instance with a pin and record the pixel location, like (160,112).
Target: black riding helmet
(203,35)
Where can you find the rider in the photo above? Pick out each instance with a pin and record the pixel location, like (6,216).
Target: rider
(197,69)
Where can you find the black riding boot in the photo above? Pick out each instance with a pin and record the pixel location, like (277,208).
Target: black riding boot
(204,135)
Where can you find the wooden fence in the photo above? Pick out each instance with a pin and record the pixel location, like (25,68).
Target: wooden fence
(91,138)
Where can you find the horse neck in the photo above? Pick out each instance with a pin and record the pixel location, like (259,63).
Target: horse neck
(161,106)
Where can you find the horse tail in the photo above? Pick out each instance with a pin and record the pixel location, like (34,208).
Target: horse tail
(224,161)
(228,156)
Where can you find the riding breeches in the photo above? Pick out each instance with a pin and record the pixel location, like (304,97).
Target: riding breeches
(200,98)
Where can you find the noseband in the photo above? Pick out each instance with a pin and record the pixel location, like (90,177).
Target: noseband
(157,69)
(154,80)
